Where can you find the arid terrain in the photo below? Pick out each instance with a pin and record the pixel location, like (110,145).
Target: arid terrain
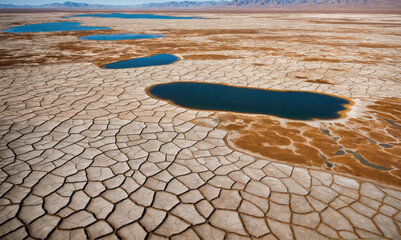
(85,152)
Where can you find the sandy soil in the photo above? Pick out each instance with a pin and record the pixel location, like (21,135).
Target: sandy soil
(86,153)
(349,55)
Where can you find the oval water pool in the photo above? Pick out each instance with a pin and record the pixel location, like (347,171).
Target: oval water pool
(122,36)
(217,97)
(156,60)
(53,27)
(131,16)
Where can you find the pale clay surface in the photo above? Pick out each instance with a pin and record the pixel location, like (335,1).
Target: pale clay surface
(86,153)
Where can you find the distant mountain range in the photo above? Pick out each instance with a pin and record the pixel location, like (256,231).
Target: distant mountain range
(184,4)
(225,4)
(76,5)
(316,3)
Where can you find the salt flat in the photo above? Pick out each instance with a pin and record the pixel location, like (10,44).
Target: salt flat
(86,153)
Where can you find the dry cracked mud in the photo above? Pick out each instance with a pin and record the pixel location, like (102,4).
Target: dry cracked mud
(86,153)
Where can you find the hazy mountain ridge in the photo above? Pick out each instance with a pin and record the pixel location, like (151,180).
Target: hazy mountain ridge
(76,5)
(184,4)
(14,6)
(68,5)
(225,4)
(315,3)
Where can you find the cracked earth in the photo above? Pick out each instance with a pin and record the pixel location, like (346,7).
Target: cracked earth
(86,153)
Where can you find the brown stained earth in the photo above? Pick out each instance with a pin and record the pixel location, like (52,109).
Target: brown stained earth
(317,81)
(85,153)
(303,144)
(83,51)
(64,47)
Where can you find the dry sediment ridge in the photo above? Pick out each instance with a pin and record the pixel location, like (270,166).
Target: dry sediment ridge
(85,153)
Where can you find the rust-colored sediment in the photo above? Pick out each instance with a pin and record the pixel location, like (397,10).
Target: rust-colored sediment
(318,81)
(300,143)
(65,47)
(208,57)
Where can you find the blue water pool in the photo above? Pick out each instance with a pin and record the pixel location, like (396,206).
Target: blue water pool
(131,16)
(156,60)
(122,36)
(217,97)
(53,27)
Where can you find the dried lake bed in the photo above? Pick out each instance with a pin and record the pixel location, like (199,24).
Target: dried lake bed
(85,152)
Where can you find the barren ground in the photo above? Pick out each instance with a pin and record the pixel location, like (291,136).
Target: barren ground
(85,152)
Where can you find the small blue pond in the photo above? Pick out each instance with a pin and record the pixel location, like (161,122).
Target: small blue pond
(217,97)
(122,36)
(53,27)
(131,16)
(156,60)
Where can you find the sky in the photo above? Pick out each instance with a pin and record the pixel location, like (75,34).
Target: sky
(108,2)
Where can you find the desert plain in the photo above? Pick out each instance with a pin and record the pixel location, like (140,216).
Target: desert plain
(85,152)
